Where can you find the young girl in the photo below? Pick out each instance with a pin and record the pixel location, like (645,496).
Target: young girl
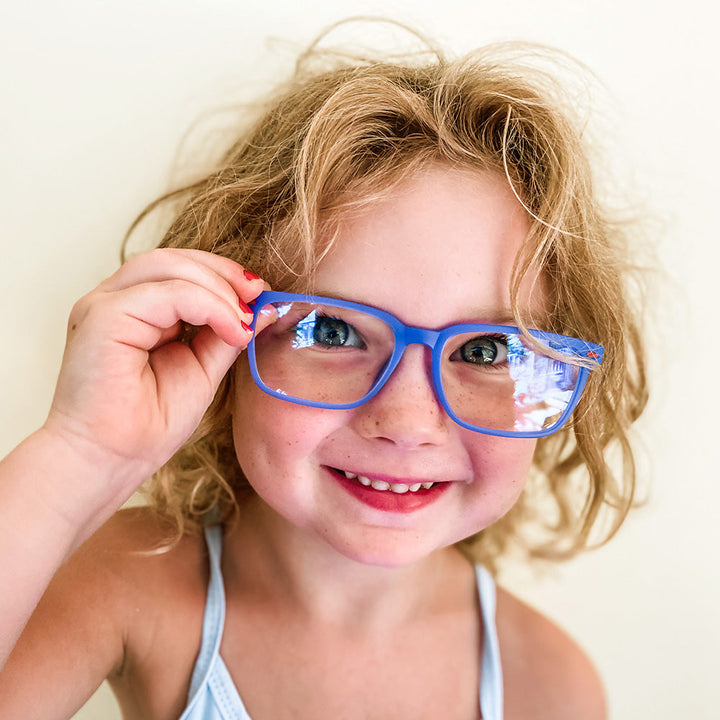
(383,344)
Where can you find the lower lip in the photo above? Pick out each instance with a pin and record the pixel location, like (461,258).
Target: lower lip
(387,500)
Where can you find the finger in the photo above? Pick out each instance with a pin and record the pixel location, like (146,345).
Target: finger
(178,331)
(214,355)
(223,276)
(144,315)
(197,368)
(267,316)
(247,284)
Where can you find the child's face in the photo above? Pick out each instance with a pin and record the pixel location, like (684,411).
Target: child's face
(439,251)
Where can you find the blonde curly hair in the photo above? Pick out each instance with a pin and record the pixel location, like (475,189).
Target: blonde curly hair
(343,132)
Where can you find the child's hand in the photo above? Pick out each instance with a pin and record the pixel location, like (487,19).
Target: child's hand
(130,391)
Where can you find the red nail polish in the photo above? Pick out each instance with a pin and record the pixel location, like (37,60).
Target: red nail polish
(250,275)
(244,307)
(245,326)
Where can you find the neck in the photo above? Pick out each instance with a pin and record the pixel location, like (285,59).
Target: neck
(269,558)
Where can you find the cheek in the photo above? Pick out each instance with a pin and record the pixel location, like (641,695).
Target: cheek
(264,431)
(268,452)
(274,438)
(500,468)
(512,456)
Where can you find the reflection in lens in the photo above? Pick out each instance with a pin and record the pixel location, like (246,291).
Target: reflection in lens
(543,386)
(328,354)
(323,353)
(305,332)
(529,392)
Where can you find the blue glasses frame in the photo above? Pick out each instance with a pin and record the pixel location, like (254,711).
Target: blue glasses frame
(579,353)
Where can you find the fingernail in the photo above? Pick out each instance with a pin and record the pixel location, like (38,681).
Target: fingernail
(250,275)
(245,326)
(244,307)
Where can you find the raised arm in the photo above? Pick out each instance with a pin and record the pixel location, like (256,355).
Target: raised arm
(128,395)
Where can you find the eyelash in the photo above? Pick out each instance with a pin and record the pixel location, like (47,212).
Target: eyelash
(498,338)
(320,314)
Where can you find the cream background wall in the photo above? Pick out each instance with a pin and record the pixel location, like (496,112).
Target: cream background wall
(95,98)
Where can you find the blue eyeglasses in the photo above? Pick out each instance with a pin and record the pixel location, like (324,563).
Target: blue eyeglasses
(330,353)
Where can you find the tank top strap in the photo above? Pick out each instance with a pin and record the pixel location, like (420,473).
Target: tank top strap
(214,620)
(208,661)
(491,680)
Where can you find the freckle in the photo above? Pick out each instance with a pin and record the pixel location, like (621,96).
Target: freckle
(73,326)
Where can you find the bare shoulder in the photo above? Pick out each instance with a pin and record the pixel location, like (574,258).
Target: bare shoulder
(100,615)
(547,675)
(160,585)
(135,567)
(137,553)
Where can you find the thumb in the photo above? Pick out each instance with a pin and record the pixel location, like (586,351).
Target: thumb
(214,355)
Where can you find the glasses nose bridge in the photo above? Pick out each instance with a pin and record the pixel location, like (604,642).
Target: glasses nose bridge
(418,336)
(405,336)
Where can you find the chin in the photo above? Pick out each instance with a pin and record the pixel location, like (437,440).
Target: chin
(388,553)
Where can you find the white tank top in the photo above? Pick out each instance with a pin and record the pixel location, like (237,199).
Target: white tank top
(213,695)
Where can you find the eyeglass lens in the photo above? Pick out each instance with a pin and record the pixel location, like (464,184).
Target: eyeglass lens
(328,354)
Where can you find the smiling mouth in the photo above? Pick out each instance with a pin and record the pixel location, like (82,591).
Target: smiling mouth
(384,486)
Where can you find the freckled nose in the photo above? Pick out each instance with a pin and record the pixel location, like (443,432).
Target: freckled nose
(406,411)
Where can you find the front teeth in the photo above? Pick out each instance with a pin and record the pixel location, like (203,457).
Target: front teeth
(399,488)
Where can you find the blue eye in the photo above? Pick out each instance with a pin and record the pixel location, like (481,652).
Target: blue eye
(333,332)
(484,350)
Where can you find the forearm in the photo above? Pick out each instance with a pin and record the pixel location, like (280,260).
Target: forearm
(129,394)
(51,500)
